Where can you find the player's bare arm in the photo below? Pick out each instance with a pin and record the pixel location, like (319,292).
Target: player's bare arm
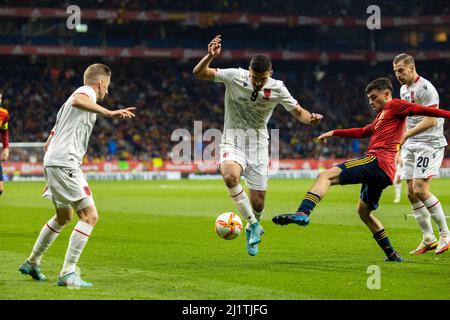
(82,102)
(398,159)
(5,154)
(47,143)
(425,124)
(202,70)
(305,116)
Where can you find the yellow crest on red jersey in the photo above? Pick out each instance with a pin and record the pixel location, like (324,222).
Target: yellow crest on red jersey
(4,126)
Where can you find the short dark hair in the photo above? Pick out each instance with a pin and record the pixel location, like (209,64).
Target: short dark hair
(261,63)
(404,57)
(379,84)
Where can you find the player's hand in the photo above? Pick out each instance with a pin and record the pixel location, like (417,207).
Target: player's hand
(5,155)
(315,118)
(403,140)
(123,113)
(323,138)
(214,46)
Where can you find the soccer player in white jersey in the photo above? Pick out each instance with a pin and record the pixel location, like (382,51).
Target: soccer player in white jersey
(250,97)
(66,185)
(422,147)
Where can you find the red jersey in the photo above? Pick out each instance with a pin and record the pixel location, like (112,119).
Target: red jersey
(387,130)
(4,117)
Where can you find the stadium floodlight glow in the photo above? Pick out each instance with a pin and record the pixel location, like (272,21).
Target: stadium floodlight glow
(81,28)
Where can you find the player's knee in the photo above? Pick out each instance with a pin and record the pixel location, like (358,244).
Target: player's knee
(231,180)
(325,175)
(419,192)
(62,221)
(258,206)
(363,212)
(92,218)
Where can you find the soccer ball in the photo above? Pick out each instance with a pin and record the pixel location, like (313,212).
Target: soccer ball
(228,226)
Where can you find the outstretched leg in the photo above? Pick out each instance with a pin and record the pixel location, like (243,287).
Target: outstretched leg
(318,190)
(48,234)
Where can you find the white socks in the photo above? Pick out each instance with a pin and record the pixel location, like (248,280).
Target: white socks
(398,190)
(258,215)
(78,240)
(48,234)
(242,202)
(423,219)
(435,208)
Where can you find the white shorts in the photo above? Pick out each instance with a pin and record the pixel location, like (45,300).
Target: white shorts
(67,187)
(421,162)
(255,164)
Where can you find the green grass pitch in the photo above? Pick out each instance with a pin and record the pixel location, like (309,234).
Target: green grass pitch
(156,240)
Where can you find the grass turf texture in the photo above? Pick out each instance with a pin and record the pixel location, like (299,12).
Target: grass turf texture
(156,240)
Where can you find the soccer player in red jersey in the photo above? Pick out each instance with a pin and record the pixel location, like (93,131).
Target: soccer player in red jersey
(4,155)
(375,171)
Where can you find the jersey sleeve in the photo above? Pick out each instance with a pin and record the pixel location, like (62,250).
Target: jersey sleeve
(89,92)
(355,132)
(4,138)
(428,96)
(4,121)
(404,108)
(226,75)
(286,99)
(401,108)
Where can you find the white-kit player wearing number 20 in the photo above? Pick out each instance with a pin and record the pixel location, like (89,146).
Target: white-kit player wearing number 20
(66,185)
(422,148)
(250,97)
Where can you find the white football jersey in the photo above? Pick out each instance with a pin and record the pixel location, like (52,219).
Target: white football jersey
(247,110)
(71,133)
(424,93)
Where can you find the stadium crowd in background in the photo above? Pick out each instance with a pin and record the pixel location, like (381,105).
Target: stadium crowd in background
(167,97)
(326,7)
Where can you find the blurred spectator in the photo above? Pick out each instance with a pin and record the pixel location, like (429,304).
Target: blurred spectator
(168,98)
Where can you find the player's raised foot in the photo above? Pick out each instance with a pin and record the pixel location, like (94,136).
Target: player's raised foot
(256,231)
(73,280)
(33,271)
(252,249)
(443,245)
(299,218)
(394,257)
(424,247)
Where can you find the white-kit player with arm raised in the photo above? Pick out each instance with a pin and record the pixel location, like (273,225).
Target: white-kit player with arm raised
(66,185)
(250,98)
(422,147)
